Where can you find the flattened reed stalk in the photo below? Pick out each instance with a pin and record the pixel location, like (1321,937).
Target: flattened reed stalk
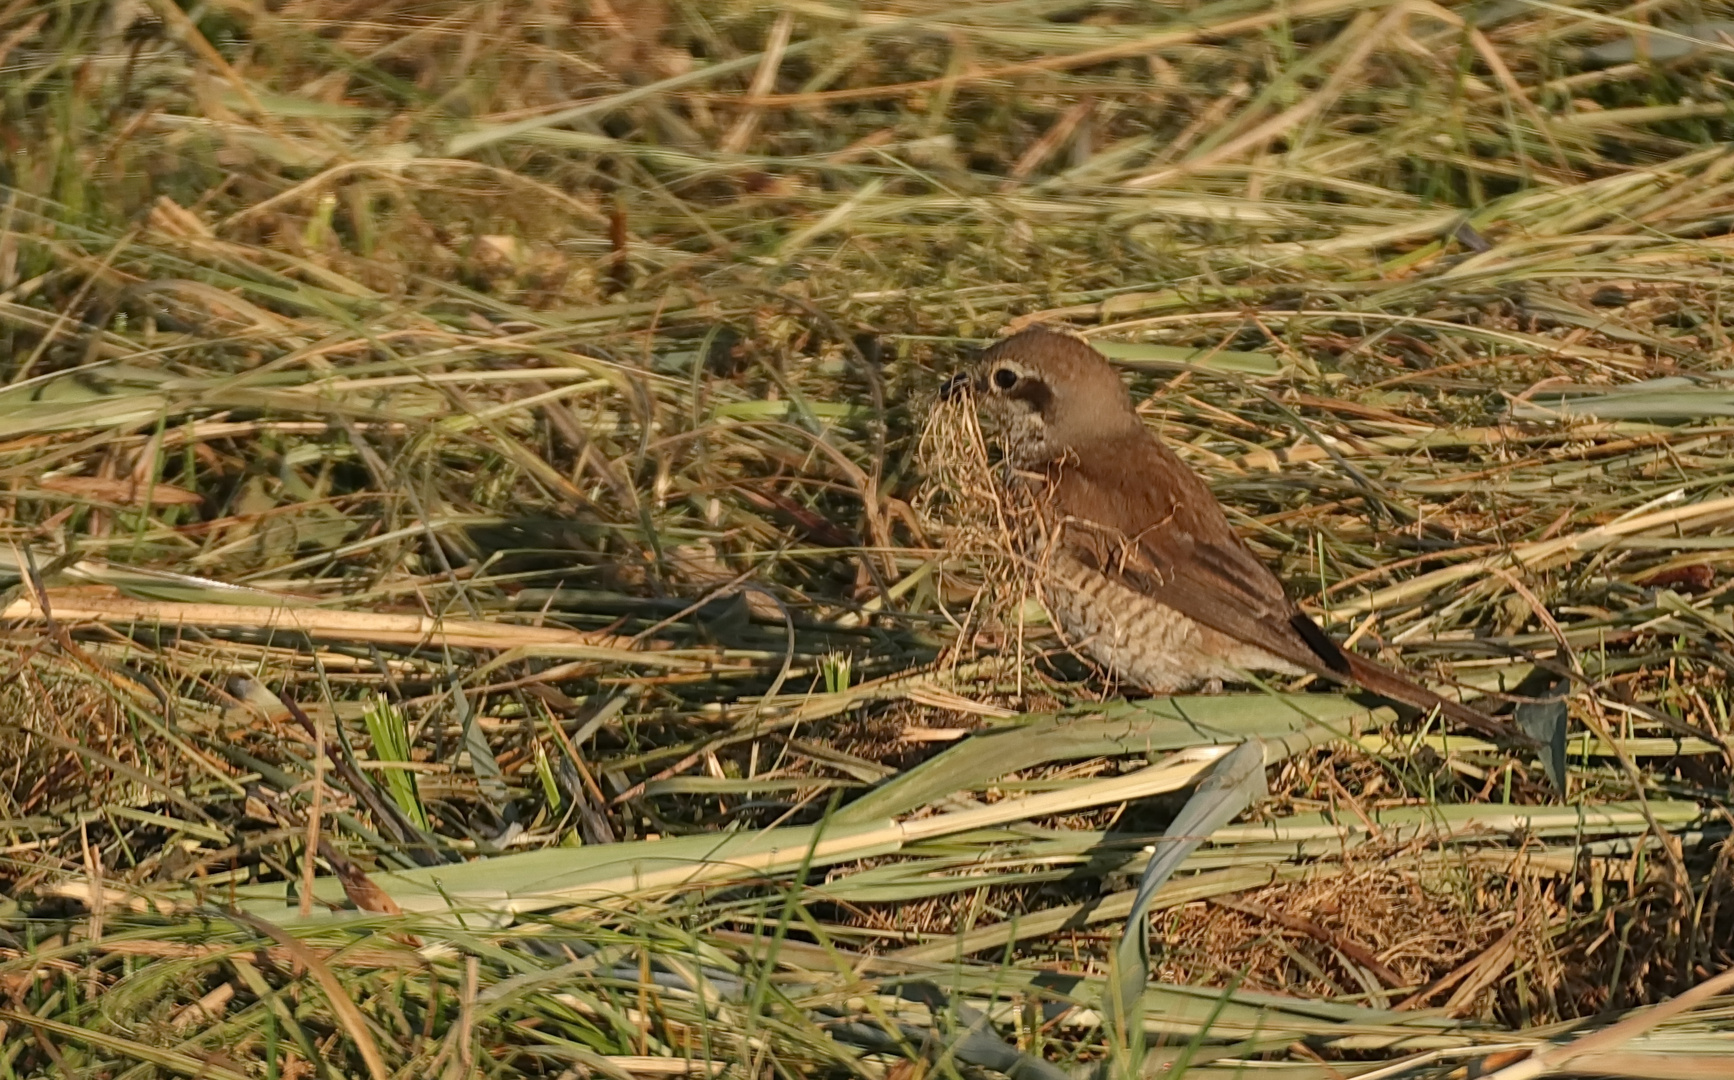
(559,374)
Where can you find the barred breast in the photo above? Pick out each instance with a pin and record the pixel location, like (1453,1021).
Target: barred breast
(1141,641)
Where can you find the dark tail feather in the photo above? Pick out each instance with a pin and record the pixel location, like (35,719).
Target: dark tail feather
(1320,642)
(1381,680)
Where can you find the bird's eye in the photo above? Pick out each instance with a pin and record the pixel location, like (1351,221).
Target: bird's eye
(1005,378)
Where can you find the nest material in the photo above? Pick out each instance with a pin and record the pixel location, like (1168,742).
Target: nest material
(980,522)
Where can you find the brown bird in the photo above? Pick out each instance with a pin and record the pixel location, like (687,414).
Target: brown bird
(1135,557)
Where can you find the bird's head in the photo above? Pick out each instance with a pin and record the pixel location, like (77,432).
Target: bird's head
(1042,394)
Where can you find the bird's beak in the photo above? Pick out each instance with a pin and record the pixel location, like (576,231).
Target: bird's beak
(957,386)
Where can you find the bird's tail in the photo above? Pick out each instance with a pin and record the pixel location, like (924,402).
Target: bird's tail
(1379,679)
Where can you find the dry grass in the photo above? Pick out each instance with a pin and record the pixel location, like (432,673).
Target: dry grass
(553,374)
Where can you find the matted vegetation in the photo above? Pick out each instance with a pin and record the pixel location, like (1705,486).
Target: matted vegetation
(471,605)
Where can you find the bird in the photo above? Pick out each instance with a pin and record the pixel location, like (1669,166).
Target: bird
(1133,555)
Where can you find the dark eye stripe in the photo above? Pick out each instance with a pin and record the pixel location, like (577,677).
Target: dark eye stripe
(1035,392)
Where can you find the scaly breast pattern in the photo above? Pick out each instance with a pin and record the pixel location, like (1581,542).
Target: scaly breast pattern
(1140,640)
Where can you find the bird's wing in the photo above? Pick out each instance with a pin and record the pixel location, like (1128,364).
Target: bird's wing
(1133,510)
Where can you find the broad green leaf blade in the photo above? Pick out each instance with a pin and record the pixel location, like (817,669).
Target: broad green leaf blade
(1231,786)
(1152,726)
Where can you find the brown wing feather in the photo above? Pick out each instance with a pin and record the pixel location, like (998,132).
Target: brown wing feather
(1136,512)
